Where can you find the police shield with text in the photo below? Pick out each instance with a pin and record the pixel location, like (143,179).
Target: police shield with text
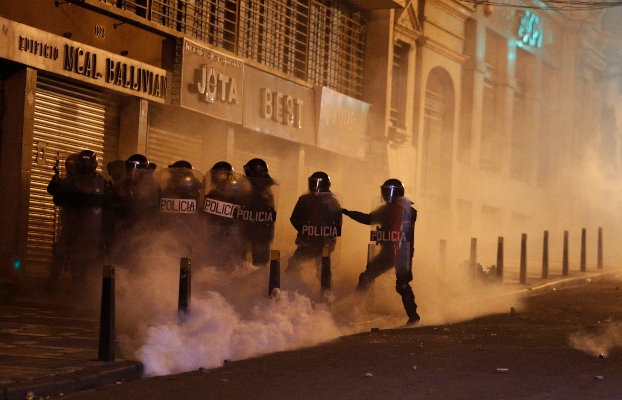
(392,242)
(223,206)
(181,190)
(317,218)
(82,197)
(259,211)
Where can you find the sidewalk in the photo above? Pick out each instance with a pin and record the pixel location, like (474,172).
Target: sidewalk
(48,345)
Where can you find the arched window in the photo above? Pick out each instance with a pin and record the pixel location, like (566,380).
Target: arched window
(438,129)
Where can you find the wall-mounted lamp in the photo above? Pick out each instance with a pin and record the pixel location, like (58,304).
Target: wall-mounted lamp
(118,24)
(67,35)
(124,52)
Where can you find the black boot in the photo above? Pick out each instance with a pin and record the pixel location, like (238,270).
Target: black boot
(408,300)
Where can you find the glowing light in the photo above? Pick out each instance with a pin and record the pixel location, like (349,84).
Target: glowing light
(17,263)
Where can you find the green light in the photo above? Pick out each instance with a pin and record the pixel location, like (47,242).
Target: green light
(17,263)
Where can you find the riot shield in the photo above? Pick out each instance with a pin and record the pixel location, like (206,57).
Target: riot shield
(258,215)
(181,190)
(226,194)
(392,234)
(81,199)
(317,217)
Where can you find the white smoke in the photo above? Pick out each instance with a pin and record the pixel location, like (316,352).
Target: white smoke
(599,343)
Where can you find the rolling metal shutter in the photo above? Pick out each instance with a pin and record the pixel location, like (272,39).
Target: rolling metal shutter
(68,118)
(164,147)
(254,145)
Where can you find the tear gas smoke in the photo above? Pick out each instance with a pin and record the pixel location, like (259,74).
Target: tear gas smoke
(602,342)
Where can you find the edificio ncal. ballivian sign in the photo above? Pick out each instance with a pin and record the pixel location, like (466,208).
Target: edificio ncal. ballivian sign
(49,52)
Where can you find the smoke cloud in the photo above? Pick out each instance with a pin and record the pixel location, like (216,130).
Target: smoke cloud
(599,343)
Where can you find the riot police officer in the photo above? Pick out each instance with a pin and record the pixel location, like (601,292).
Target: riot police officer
(135,204)
(136,197)
(181,188)
(317,218)
(82,196)
(224,237)
(60,248)
(260,211)
(394,236)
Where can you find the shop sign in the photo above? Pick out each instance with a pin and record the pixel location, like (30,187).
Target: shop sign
(278,107)
(530,29)
(45,51)
(343,124)
(207,81)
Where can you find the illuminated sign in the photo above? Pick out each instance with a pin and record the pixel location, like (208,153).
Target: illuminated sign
(530,29)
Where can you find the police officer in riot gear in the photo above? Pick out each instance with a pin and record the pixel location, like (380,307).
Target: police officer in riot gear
(259,229)
(60,248)
(135,205)
(181,188)
(317,218)
(394,235)
(136,198)
(224,236)
(83,196)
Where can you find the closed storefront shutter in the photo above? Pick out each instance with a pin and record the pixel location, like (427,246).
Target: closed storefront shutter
(249,146)
(164,147)
(68,118)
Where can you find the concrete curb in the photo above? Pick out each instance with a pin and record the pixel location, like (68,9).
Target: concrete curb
(87,378)
(566,282)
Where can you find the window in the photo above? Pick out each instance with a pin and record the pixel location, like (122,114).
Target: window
(491,150)
(520,144)
(399,89)
(320,41)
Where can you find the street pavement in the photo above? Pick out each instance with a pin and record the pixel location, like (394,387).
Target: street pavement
(49,345)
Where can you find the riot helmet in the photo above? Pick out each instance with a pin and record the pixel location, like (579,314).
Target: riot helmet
(136,163)
(70,163)
(256,168)
(319,182)
(221,172)
(116,170)
(392,189)
(181,164)
(222,166)
(86,162)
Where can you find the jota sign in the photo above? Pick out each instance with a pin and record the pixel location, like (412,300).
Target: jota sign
(207,81)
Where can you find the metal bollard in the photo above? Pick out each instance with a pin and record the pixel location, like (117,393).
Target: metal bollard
(583,255)
(565,255)
(500,258)
(106,351)
(274,282)
(185,284)
(442,258)
(599,261)
(473,257)
(523,259)
(326,275)
(545,256)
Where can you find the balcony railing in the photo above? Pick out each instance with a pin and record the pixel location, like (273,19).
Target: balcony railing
(319,41)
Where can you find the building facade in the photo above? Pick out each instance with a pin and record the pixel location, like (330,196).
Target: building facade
(484,116)
(505,128)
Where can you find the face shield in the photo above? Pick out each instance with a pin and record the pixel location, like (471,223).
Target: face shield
(389,193)
(316,185)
